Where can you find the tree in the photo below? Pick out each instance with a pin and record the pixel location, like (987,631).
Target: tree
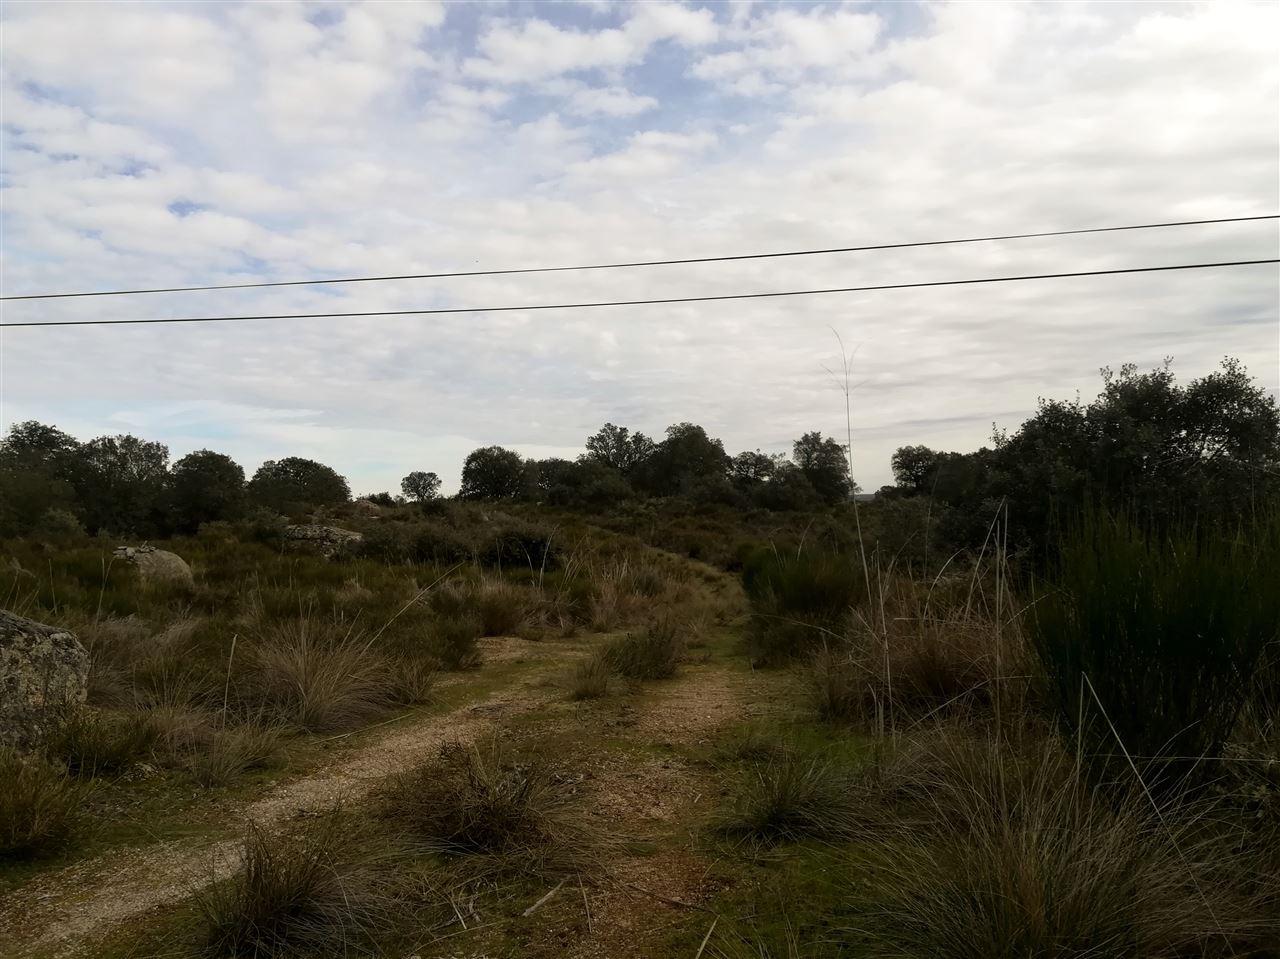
(36,468)
(750,468)
(825,463)
(421,487)
(787,489)
(914,467)
(295,483)
(205,486)
(617,447)
(686,456)
(492,472)
(120,484)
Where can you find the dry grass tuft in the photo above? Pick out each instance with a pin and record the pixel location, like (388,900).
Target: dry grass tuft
(39,806)
(481,803)
(318,677)
(1016,855)
(93,743)
(232,752)
(653,653)
(793,795)
(590,677)
(296,894)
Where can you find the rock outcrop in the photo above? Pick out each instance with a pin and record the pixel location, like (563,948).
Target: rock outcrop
(330,540)
(44,672)
(157,565)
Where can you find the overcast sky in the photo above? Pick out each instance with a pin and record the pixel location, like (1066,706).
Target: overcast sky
(153,145)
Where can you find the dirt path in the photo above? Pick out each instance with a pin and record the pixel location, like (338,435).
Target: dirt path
(664,799)
(65,912)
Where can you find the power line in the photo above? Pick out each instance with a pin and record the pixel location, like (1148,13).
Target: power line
(642,263)
(664,300)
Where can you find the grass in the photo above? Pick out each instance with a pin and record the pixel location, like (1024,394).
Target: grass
(319,677)
(591,677)
(792,794)
(234,751)
(295,894)
(93,743)
(40,806)
(653,653)
(480,802)
(1018,855)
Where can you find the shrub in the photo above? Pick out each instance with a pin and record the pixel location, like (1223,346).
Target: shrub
(653,653)
(1018,856)
(500,608)
(798,600)
(838,685)
(93,743)
(792,795)
(590,677)
(479,800)
(1167,632)
(39,806)
(317,677)
(295,894)
(452,640)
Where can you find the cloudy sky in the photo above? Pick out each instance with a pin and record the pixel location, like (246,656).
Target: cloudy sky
(157,145)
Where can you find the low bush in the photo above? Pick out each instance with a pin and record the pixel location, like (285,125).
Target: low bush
(452,640)
(653,653)
(500,607)
(799,600)
(39,806)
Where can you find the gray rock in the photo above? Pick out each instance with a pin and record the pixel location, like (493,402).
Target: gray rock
(330,540)
(44,672)
(157,565)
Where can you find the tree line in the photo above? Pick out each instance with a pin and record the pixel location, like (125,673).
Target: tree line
(1161,450)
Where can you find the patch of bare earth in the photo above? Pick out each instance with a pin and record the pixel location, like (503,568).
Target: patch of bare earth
(64,912)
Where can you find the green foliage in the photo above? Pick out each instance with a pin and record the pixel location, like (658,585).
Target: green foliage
(493,473)
(294,482)
(799,600)
(1166,630)
(452,639)
(121,482)
(687,455)
(617,448)
(205,487)
(39,806)
(825,463)
(653,653)
(421,487)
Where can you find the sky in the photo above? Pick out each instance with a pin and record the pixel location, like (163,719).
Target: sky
(157,145)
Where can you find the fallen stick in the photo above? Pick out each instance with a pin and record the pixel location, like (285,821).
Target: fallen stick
(537,905)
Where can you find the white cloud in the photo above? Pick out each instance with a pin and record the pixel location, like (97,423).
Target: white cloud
(531,50)
(299,140)
(609,101)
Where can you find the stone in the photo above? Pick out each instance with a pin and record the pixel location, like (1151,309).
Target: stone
(44,673)
(330,540)
(157,565)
